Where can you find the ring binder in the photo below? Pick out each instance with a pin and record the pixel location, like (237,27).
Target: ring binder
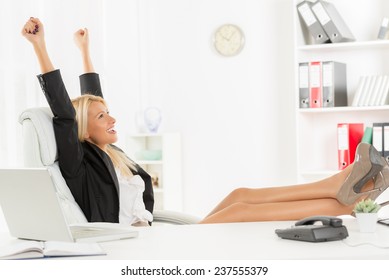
(349,136)
(315,84)
(314,27)
(334,84)
(304,85)
(383,28)
(332,22)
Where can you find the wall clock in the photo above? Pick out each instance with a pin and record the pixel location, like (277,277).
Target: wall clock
(228,40)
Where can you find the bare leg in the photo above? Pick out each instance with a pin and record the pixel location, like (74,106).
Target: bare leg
(298,201)
(278,211)
(326,188)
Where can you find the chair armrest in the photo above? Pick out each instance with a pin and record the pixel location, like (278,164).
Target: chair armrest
(174,218)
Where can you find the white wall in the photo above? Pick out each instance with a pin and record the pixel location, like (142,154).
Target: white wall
(235,114)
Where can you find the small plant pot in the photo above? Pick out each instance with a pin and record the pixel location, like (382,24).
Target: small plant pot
(367,222)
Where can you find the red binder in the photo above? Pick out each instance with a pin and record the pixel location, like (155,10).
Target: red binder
(349,136)
(315,84)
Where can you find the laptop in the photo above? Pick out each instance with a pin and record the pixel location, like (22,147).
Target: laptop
(32,211)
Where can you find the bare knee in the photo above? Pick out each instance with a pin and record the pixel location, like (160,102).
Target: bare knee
(235,212)
(239,195)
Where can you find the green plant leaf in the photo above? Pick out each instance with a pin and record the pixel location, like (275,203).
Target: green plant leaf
(367,206)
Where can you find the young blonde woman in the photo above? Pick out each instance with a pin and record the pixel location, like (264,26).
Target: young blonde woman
(107,185)
(91,164)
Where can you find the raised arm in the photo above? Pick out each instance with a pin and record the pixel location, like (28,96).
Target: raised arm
(33,31)
(89,81)
(81,38)
(70,152)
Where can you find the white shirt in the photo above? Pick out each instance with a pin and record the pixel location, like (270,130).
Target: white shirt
(132,208)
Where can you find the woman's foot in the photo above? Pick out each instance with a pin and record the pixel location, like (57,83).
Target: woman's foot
(381,183)
(368,163)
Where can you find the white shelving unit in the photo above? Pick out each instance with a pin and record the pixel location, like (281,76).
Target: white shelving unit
(160,156)
(317,127)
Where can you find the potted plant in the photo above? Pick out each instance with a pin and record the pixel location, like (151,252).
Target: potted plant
(366,212)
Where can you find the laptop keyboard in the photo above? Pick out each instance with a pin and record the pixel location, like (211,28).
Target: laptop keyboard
(90,232)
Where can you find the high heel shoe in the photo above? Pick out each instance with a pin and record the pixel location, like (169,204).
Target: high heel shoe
(367,164)
(381,183)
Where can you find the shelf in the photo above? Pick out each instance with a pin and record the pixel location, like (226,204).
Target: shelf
(158,190)
(166,167)
(376,44)
(316,128)
(342,109)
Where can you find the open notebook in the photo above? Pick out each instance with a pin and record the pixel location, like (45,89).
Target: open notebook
(41,249)
(32,211)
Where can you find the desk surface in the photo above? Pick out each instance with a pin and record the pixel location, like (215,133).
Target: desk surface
(240,241)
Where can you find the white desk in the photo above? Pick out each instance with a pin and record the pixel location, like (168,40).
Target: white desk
(248,241)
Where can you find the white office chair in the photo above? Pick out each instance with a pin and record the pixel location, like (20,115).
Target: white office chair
(40,150)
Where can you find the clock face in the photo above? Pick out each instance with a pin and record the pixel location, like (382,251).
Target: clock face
(228,40)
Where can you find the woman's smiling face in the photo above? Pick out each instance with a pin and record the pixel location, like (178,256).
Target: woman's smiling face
(101,126)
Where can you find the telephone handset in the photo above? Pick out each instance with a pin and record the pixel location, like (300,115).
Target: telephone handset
(306,229)
(326,220)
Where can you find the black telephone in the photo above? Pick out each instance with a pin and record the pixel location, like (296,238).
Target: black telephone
(331,229)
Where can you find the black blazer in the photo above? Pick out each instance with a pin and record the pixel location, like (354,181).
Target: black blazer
(88,170)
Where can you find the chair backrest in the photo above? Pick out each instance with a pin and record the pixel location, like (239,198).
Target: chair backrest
(40,149)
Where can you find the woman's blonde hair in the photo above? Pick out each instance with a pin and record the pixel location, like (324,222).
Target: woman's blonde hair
(119,159)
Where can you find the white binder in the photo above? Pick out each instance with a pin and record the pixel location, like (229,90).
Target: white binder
(304,85)
(334,84)
(332,22)
(314,27)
